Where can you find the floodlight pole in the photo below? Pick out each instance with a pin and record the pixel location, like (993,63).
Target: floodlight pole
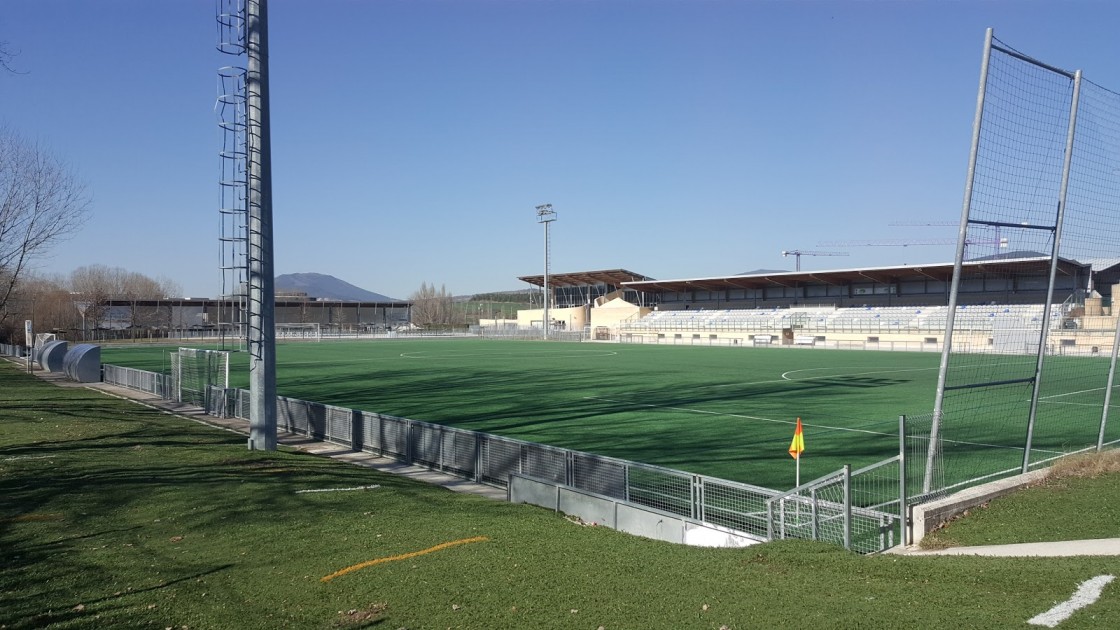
(262,284)
(546,215)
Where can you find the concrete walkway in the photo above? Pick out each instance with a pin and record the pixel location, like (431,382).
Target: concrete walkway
(1099,547)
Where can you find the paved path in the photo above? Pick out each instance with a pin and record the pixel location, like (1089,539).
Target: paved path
(1099,547)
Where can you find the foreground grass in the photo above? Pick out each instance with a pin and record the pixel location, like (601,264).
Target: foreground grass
(1078,500)
(114,515)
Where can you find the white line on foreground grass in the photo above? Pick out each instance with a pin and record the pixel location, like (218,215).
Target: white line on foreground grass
(1087,593)
(374,487)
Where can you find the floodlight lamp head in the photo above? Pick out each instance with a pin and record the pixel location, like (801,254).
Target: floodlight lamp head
(545,213)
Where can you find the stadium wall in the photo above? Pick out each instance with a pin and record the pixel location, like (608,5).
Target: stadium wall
(572,318)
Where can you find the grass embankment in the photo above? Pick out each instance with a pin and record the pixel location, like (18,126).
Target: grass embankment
(115,515)
(1078,500)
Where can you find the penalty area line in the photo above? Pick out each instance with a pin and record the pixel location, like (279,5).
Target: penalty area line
(793,422)
(738,415)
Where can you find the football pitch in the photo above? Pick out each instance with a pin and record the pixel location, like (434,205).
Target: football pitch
(724,412)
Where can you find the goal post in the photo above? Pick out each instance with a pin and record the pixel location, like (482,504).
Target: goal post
(195,371)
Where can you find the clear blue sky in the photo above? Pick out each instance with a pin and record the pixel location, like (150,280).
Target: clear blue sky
(412,139)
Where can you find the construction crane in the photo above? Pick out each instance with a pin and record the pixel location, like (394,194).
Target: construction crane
(903,242)
(798,253)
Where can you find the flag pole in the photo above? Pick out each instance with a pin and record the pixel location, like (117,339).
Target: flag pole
(796,447)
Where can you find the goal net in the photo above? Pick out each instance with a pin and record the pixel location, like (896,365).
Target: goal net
(306,331)
(195,371)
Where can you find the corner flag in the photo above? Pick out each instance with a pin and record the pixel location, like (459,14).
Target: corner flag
(798,444)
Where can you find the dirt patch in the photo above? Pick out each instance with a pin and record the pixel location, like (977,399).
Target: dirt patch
(1086,466)
(359,617)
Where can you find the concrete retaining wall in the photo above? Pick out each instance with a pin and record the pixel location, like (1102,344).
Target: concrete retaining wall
(927,517)
(623,516)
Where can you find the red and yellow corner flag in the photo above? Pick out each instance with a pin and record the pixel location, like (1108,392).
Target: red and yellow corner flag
(798,444)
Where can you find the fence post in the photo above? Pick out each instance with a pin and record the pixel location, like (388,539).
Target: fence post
(769,520)
(903,538)
(813,514)
(357,431)
(848,506)
(409,440)
(478,456)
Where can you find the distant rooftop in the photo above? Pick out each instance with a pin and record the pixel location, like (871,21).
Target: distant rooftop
(613,277)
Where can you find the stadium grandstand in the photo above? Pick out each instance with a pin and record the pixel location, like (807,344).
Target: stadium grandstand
(1000,301)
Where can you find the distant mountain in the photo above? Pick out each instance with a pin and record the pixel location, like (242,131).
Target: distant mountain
(318,285)
(759,272)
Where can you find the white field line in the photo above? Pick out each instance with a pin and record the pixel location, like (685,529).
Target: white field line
(1087,593)
(1084,391)
(794,422)
(374,487)
(1062,402)
(738,415)
(570,354)
(785,375)
(419,354)
(12,459)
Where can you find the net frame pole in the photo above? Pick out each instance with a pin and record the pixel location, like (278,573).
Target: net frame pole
(903,531)
(262,292)
(1108,388)
(958,261)
(1047,308)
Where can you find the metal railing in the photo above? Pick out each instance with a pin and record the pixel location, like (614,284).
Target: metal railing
(491,459)
(854,509)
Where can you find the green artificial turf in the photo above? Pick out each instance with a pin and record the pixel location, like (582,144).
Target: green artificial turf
(115,515)
(725,412)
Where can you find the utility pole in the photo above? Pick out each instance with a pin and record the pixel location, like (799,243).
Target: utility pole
(262,293)
(546,215)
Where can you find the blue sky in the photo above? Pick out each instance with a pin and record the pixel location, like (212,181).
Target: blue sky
(413,139)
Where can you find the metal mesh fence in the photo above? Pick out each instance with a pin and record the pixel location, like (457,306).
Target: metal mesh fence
(860,510)
(13,350)
(491,459)
(1042,201)
(140,380)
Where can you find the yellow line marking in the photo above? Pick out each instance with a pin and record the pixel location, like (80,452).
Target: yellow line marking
(403,556)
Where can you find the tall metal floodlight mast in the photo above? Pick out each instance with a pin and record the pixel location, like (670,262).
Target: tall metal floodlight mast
(245,22)
(546,215)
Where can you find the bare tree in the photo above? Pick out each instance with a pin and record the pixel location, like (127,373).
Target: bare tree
(41,203)
(93,287)
(44,300)
(431,307)
(6,56)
